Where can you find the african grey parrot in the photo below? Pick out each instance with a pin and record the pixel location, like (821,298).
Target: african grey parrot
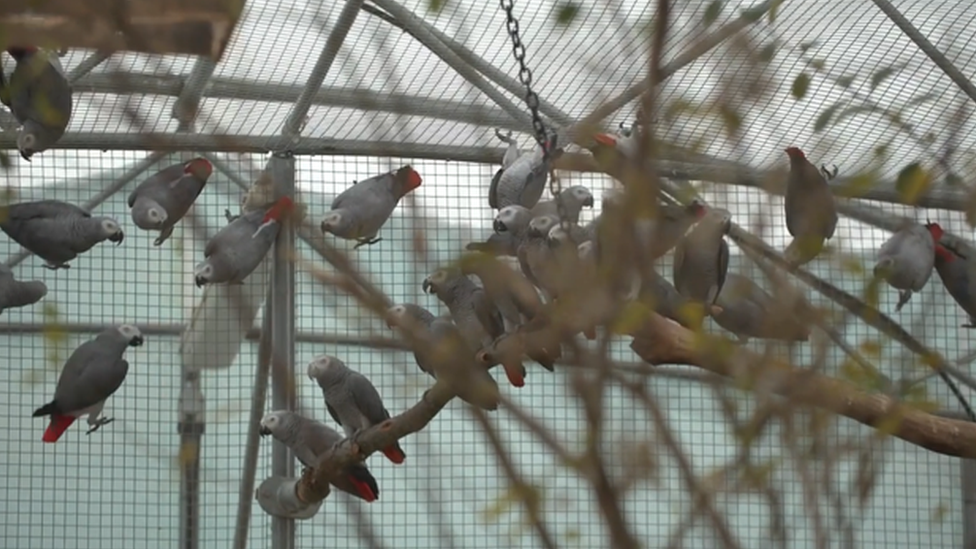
(659,294)
(955,271)
(572,200)
(14,293)
(309,440)
(360,211)
(351,399)
(524,181)
(536,257)
(509,228)
(476,317)
(237,249)
(39,96)
(512,151)
(906,259)
(415,316)
(57,231)
(161,201)
(811,214)
(701,259)
(749,311)
(449,356)
(93,372)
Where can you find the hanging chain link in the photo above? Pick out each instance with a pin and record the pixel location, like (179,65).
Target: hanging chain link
(532,100)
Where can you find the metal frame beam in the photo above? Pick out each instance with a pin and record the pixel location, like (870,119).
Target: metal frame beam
(87,65)
(928,48)
(348,98)
(188,102)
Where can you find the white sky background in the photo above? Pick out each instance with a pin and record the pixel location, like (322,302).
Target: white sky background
(576,69)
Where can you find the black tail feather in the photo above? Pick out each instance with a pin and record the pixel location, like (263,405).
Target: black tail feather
(47,410)
(362,474)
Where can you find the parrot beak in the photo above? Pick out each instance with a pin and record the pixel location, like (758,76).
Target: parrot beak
(117,238)
(498,226)
(264,431)
(324,226)
(589,201)
(26,155)
(136,341)
(200,281)
(605,139)
(427,286)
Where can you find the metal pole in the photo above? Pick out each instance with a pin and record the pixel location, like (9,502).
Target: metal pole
(968,472)
(414,25)
(190,426)
(327,96)
(282,169)
(927,47)
(259,394)
(188,102)
(87,65)
(135,171)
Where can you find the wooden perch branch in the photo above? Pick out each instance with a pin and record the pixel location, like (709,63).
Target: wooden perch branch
(661,341)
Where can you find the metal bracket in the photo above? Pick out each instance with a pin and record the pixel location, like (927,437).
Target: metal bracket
(276,495)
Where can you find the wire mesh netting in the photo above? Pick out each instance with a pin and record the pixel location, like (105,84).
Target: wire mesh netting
(840,80)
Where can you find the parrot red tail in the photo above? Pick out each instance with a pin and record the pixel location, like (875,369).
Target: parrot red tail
(605,139)
(199,166)
(944,254)
(278,209)
(395,454)
(515,374)
(409,178)
(59,424)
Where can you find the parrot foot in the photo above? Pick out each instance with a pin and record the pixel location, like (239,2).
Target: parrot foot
(367,242)
(98,423)
(230,217)
(56,266)
(903,298)
(163,236)
(827,173)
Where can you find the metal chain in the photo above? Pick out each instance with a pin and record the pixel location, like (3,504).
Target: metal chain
(532,99)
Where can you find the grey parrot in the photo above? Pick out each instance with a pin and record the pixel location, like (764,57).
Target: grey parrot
(237,249)
(701,259)
(509,228)
(309,440)
(449,356)
(811,214)
(351,399)
(749,311)
(14,293)
(624,142)
(661,296)
(905,260)
(512,151)
(39,96)
(360,211)
(524,181)
(161,201)
(572,200)
(954,269)
(93,372)
(476,317)
(411,315)
(56,231)
(537,259)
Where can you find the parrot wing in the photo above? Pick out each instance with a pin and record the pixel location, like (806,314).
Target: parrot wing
(488,314)
(43,209)
(88,381)
(368,399)
(332,412)
(493,189)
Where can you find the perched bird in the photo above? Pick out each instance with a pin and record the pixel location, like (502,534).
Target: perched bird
(309,440)
(905,260)
(237,249)
(954,270)
(56,231)
(747,311)
(477,318)
(351,399)
(15,294)
(512,152)
(701,259)
(509,228)
(449,356)
(569,202)
(39,96)
(161,201)
(93,372)
(410,316)
(524,180)
(661,296)
(811,214)
(360,211)
(536,258)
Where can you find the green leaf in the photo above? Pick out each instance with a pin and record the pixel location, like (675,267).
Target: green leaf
(712,11)
(883,74)
(566,13)
(436,6)
(845,81)
(912,182)
(817,64)
(853,111)
(825,116)
(767,53)
(919,99)
(809,45)
(800,85)
(774,11)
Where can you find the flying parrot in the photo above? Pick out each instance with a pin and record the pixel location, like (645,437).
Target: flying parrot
(524,181)
(701,259)
(39,96)
(811,214)
(93,372)
(309,440)
(14,293)
(161,201)
(352,400)
(747,311)
(905,260)
(359,212)
(476,317)
(237,249)
(57,231)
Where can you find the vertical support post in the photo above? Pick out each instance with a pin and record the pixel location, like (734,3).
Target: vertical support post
(282,170)
(191,424)
(968,472)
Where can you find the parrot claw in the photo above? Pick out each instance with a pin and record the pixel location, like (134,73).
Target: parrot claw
(55,267)
(827,173)
(367,242)
(163,236)
(99,423)
(230,217)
